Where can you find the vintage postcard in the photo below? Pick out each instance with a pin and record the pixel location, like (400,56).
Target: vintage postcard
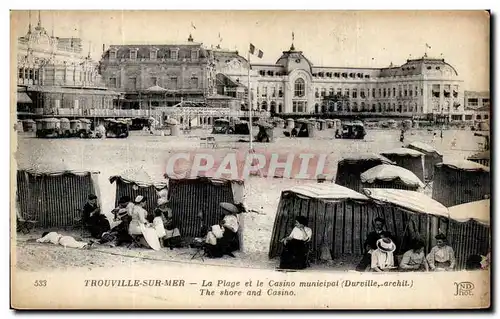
(250,160)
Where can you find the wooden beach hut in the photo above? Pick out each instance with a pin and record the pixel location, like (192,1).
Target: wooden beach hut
(54,198)
(391,176)
(469,230)
(351,166)
(431,157)
(460,181)
(407,158)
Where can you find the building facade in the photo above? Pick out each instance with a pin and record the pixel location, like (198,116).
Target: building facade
(54,78)
(164,75)
(159,75)
(477,105)
(424,86)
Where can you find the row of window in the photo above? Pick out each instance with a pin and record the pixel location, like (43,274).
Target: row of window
(319,74)
(301,107)
(172,54)
(34,75)
(400,91)
(475,101)
(172,82)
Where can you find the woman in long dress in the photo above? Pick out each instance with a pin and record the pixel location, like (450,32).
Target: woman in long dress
(138,216)
(295,250)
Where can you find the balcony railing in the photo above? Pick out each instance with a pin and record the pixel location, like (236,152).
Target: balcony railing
(202,111)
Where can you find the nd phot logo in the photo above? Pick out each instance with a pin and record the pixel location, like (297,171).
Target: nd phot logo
(464,288)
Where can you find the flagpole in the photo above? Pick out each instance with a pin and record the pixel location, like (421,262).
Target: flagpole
(250,103)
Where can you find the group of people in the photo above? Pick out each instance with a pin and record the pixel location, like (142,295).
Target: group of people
(157,230)
(380,247)
(135,226)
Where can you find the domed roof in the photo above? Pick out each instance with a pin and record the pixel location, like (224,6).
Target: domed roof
(424,65)
(293,59)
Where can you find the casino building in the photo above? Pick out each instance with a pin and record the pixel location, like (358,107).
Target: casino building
(161,76)
(55,79)
(423,86)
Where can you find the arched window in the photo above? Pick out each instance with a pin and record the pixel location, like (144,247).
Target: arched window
(264,106)
(280,108)
(300,88)
(273,107)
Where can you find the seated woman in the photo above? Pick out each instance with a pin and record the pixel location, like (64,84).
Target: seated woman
(172,236)
(295,251)
(383,256)
(213,237)
(139,228)
(442,256)
(414,259)
(230,242)
(119,235)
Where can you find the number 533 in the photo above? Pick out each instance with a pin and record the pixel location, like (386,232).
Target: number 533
(40,283)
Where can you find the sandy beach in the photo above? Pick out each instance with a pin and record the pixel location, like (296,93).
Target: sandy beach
(148,154)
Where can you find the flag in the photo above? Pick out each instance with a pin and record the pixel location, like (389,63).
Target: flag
(254,50)
(293,36)
(192,25)
(428,46)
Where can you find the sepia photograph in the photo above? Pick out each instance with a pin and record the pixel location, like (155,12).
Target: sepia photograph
(250,159)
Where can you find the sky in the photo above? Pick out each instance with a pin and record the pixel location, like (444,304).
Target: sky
(327,38)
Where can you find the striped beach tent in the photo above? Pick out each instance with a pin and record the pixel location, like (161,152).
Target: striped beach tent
(460,181)
(137,181)
(391,176)
(350,167)
(54,198)
(338,217)
(407,158)
(431,157)
(410,215)
(469,231)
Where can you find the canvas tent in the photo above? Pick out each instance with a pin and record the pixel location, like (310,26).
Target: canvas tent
(407,158)
(338,218)
(54,198)
(431,157)
(390,176)
(460,181)
(410,215)
(138,182)
(482,158)
(469,230)
(350,167)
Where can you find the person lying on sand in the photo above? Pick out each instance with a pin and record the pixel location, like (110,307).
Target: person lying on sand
(65,241)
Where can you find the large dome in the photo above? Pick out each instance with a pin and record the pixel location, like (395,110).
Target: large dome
(424,65)
(293,59)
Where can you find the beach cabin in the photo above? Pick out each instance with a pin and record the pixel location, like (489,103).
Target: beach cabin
(351,166)
(409,215)
(338,217)
(136,182)
(54,198)
(195,197)
(460,181)
(407,158)
(306,128)
(482,158)
(391,176)
(469,230)
(431,157)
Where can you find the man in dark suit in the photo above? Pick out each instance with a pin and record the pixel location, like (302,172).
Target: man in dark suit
(371,242)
